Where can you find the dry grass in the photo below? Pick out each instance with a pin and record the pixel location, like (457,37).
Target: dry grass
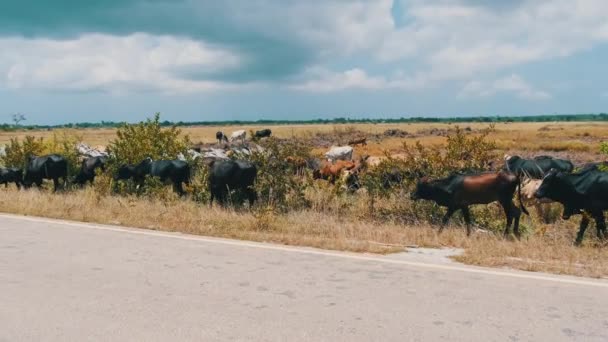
(552,252)
(575,136)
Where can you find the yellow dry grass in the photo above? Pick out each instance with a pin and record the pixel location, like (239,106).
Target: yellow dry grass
(574,136)
(552,252)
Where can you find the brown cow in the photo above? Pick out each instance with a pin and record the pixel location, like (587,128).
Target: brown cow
(332,172)
(360,141)
(298,164)
(459,191)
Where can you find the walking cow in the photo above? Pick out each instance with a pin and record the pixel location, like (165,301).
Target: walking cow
(585,192)
(263,133)
(11,175)
(52,166)
(459,191)
(88,169)
(175,171)
(227,175)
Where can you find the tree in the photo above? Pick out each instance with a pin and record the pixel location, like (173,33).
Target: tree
(18,118)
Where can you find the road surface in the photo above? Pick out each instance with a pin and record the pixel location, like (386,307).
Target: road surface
(62,281)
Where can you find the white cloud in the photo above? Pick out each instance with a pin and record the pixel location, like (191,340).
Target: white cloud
(110,63)
(322,81)
(514,84)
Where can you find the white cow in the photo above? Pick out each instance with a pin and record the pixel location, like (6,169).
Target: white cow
(339,153)
(238,135)
(86,150)
(528,189)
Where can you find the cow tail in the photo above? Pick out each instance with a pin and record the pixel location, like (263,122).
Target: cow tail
(521,203)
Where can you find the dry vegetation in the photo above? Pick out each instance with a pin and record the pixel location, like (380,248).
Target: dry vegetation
(330,229)
(340,221)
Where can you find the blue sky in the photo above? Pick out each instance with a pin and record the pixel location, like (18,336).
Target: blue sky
(69,61)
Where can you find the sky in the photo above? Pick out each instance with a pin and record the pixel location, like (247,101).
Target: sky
(194,60)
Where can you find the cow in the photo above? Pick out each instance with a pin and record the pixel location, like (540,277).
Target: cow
(88,169)
(238,135)
(175,171)
(528,192)
(332,172)
(298,164)
(11,175)
(359,141)
(339,153)
(221,137)
(537,167)
(227,175)
(458,191)
(263,133)
(52,166)
(584,193)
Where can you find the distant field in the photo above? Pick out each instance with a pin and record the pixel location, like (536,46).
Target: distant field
(576,140)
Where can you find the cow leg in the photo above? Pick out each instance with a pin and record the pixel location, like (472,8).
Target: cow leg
(251,194)
(512,213)
(446,218)
(466,214)
(516,215)
(600,225)
(581,230)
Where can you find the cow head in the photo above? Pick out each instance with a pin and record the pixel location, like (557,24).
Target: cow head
(424,190)
(548,187)
(124,172)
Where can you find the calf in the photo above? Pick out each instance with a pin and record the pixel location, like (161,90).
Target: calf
(11,175)
(332,172)
(51,166)
(459,191)
(226,175)
(585,192)
(175,171)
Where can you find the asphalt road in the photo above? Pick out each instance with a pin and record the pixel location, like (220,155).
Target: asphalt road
(73,282)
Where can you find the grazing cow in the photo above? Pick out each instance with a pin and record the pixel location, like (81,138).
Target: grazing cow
(238,135)
(537,167)
(360,141)
(51,166)
(226,175)
(264,133)
(459,191)
(88,169)
(221,137)
(11,175)
(297,163)
(175,171)
(339,153)
(332,172)
(580,193)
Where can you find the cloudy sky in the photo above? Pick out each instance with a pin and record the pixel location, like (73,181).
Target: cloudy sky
(70,60)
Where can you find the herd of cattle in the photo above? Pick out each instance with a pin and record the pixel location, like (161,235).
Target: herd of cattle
(541,179)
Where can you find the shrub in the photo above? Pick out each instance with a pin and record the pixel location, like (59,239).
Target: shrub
(17,152)
(277,184)
(135,142)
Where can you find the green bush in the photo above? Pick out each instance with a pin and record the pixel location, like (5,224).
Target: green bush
(135,142)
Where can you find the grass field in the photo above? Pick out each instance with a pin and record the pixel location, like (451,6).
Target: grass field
(340,222)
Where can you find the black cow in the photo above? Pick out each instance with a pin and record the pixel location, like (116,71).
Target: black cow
(263,133)
(459,191)
(11,175)
(226,175)
(221,137)
(176,171)
(585,192)
(88,169)
(537,167)
(52,166)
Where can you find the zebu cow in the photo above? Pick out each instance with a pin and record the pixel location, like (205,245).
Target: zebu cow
(459,191)
(238,135)
(227,175)
(11,175)
(175,171)
(584,193)
(339,153)
(52,166)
